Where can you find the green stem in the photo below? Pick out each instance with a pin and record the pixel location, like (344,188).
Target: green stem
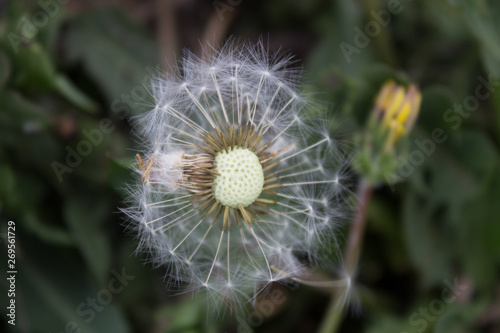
(357,232)
(335,311)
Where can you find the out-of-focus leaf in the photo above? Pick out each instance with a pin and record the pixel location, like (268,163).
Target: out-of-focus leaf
(20,196)
(452,29)
(68,90)
(384,323)
(99,145)
(56,292)
(25,131)
(430,252)
(85,217)
(34,70)
(454,174)
(480,228)
(50,234)
(19,114)
(495,101)
(183,318)
(383,221)
(436,100)
(119,173)
(481,18)
(339,48)
(7,186)
(35,73)
(454,171)
(116,54)
(459,318)
(5,68)
(147,282)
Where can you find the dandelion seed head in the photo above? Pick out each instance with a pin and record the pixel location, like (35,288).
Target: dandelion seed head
(232,183)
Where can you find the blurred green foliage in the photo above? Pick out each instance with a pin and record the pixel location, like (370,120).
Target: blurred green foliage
(72,74)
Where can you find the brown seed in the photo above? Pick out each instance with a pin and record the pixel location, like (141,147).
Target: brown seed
(217,213)
(206,204)
(225,218)
(270,166)
(208,149)
(265,201)
(238,216)
(270,180)
(202,198)
(246,215)
(211,209)
(271,187)
(262,148)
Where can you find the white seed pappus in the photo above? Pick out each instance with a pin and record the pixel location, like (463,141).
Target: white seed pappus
(238,176)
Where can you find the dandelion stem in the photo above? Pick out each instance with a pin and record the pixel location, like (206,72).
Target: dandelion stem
(355,242)
(334,313)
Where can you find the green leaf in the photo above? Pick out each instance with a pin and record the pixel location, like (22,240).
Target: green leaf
(436,100)
(453,207)
(119,173)
(120,58)
(384,323)
(19,113)
(184,317)
(20,196)
(53,291)
(479,228)
(67,89)
(481,20)
(460,318)
(50,234)
(452,172)
(34,70)
(429,250)
(338,50)
(85,217)
(5,68)
(495,101)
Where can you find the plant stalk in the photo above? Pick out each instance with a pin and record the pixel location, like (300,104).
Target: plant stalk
(335,311)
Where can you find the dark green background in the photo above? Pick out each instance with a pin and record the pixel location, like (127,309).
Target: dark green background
(86,64)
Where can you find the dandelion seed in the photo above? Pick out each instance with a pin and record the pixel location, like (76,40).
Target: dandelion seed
(230,152)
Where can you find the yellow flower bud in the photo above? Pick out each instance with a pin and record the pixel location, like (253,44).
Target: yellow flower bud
(396,109)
